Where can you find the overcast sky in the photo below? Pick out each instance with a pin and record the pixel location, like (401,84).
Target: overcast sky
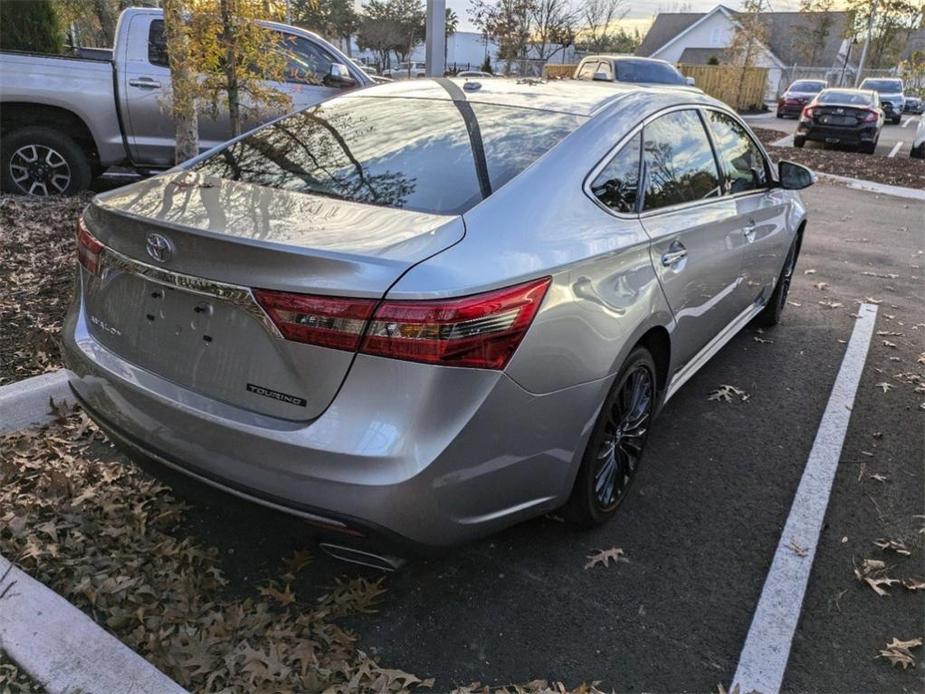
(641,12)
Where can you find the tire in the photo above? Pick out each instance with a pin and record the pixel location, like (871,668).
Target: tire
(770,315)
(798,142)
(588,506)
(780,115)
(868,148)
(918,152)
(897,120)
(52,163)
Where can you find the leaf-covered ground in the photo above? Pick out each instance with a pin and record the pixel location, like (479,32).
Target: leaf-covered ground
(15,681)
(898,171)
(111,540)
(36,274)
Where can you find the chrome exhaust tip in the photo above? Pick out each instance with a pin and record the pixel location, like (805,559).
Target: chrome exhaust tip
(383,562)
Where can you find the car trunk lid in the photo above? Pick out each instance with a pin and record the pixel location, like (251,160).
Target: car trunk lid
(840,116)
(183,254)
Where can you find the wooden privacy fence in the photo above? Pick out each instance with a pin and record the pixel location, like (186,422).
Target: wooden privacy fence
(740,87)
(553,71)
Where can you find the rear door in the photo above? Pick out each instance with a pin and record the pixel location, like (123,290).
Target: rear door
(697,245)
(761,211)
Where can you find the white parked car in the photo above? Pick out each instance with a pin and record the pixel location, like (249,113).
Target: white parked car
(407,70)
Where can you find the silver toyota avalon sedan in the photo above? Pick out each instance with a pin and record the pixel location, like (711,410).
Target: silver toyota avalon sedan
(424,311)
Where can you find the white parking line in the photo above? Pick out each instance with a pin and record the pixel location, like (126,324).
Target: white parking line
(907,121)
(767,646)
(895,149)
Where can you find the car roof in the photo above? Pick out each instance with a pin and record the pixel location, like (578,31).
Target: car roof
(624,56)
(576,97)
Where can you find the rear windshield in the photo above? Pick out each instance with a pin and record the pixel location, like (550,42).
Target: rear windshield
(883,86)
(807,87)
(415,154)
(648,71)
(844,97)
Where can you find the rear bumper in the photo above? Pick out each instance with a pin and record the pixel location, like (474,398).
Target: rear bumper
(415,454)
(856,135)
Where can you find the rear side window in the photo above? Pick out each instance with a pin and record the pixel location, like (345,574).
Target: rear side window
(648,71)
(742,161)
(157,43)
(679,163)
(306,63)
(617,186)
(414,154)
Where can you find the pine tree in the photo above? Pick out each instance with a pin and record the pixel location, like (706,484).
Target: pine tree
(30,25)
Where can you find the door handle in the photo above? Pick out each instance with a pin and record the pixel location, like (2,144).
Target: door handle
(145,83)
(749,230)
(676,253)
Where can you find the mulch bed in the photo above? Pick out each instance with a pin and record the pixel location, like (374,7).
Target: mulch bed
(901,170)
(37,260)
(15,681)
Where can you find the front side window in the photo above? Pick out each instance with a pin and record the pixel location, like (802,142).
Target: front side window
(742,161)
(679,163)
(306,63)
(414,154)
(587,70)
(617,186)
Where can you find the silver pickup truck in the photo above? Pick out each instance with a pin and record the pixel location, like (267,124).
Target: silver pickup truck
(64,120)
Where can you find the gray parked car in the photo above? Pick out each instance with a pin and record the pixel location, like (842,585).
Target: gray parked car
(416,314)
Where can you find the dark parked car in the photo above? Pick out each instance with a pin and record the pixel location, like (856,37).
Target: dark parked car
(913,105)
(842,116)
(798,94)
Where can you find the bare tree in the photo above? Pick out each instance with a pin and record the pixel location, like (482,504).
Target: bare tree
(598,20)
(508,22)
(554,26)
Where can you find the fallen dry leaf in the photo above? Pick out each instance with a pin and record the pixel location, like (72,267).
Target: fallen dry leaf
(897,546)
(886,387)
(900,652)
(913,584)
(797,549)
(727,393)
(605,556)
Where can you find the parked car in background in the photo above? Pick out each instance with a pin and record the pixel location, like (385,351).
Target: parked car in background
(65,119)
(842,116)
(798,94)
(918,141)
(892,99)
(406,70)
(462,314)
(633,70)
(913,105)
(475,73)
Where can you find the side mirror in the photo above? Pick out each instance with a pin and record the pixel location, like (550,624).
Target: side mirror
(600,77)
(691,82)
(794,176)
(339,76)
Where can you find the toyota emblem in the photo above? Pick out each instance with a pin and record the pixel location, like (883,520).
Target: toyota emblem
(159,247)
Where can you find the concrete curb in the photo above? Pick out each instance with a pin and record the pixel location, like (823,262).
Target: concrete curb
(27,402)
(62,648)
(874,187)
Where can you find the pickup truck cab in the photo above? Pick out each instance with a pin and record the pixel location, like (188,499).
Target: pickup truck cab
(65,119)
(633,70)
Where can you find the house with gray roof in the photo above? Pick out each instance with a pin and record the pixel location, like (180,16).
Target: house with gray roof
(793,39)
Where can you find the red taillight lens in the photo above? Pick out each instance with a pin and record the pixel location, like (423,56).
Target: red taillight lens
(89,249)
(807,113)
(480,331)
(871,117)
(326,321)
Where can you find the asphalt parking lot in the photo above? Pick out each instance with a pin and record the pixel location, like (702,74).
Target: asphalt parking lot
(702,524)
(895,140)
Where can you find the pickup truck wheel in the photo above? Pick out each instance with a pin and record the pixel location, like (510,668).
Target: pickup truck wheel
(41,161)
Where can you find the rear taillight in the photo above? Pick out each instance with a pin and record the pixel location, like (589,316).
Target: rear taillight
(326,321)
(480,331)
(807,113)
(871,117)
(89,249)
